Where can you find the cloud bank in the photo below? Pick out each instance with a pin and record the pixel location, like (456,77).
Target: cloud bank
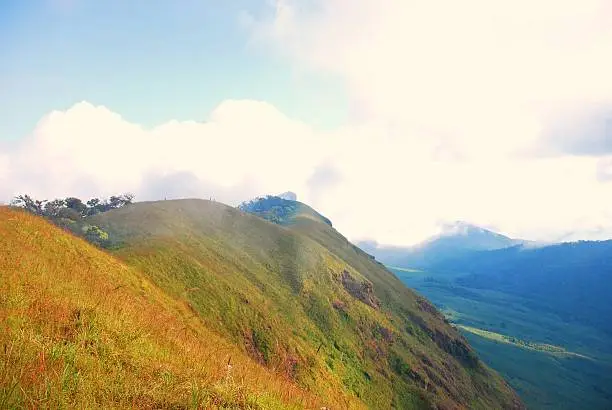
(370,183)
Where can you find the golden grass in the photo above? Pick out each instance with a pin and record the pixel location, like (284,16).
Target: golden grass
(276,290)
(81,329)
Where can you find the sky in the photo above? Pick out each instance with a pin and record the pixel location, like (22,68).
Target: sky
(390,117)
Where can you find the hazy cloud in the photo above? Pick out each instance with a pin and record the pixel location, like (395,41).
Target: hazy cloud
(604,169)
(449,98)
(186,184)
(89,150)
(323,178)
(583,130)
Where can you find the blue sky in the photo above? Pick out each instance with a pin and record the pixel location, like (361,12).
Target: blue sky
(150,61)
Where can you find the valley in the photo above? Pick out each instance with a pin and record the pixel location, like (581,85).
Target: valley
(575,374)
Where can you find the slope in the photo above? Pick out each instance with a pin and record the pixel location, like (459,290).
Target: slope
(81,329)
(305,302)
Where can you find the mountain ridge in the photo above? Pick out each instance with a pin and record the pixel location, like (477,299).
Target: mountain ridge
(332,288)
(300,300)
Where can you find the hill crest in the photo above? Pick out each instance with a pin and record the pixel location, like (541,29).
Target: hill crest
(281,210)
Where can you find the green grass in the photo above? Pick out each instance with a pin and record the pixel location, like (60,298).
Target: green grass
(192,286)
(82,330)
(277,292)
(395,268)
(540,347)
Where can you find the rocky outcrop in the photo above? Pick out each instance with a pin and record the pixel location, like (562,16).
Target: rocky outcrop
(363,291)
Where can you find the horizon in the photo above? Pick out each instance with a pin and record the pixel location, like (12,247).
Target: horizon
(388,118)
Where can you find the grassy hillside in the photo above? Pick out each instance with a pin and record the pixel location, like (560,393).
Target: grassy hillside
(305,303)
(81,329)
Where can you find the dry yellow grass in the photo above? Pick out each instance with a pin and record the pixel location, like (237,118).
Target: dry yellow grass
(78,328)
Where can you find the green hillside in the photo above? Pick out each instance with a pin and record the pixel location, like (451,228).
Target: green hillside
(304,302)
(80,329)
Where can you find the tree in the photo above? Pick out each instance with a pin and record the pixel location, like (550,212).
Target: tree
(96,235)
(93,202)
(94,206)
(128,197)
(71,208)
(29,204)
(53,208)
(120,201)
(76,205)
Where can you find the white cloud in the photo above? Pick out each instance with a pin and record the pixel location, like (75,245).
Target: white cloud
(89,150)
(584,129)
(369,181)
(460,104)
(481,75)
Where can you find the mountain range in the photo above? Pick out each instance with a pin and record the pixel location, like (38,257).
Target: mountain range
(192,303)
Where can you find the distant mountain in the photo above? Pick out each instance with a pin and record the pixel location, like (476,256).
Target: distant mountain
(569,279)
(457,239)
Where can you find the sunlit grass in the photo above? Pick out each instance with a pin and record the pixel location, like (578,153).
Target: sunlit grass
(81,329)
(202,306)
(277,291)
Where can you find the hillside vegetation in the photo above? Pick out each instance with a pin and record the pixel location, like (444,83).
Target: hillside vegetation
(308,319)
(82,329)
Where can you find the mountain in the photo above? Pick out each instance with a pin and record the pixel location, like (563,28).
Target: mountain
(198,302)
(457,239)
